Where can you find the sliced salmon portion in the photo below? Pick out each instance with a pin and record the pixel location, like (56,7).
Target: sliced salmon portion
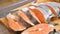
(25,17)
(14,23)
(39,29)
(37,15)
(54,7)
(53,11)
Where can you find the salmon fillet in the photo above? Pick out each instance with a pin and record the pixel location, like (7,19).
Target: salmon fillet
(53,11)
(37,15)
(54,7)
(14,23)
(25,17)
(39,29)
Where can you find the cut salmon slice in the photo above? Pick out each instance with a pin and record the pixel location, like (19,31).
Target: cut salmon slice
(54,9)
(37,15)
(54,6)
(25,17)
(14,23)
(26,11)
(39,29)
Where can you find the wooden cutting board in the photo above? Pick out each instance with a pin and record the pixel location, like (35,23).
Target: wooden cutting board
(3,30)
(56,21)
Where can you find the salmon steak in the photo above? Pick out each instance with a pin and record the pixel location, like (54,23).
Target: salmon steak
(25,17)
(37,14)
(14,23)
(55,9)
